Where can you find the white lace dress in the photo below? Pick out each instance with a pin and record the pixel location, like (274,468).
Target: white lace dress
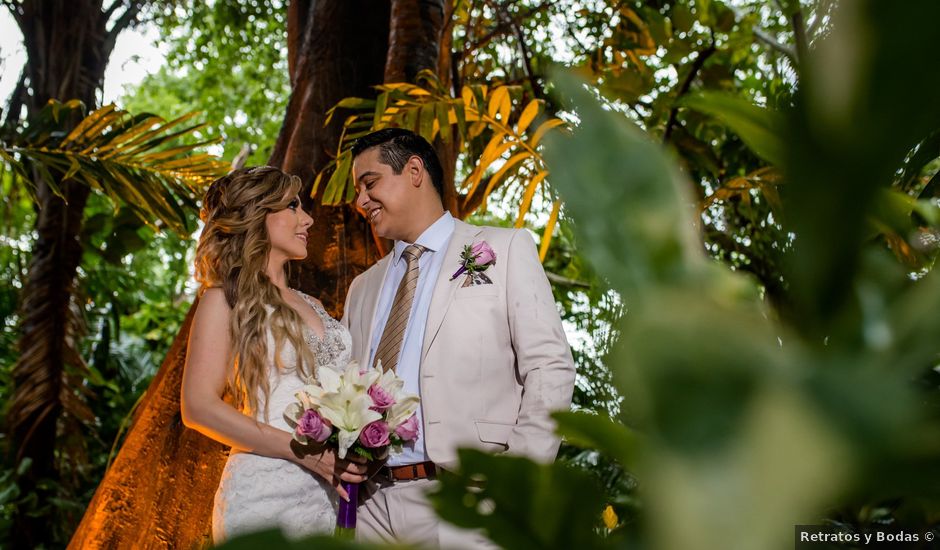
(258,492)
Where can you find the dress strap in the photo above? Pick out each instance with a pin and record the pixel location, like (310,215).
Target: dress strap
(321,311)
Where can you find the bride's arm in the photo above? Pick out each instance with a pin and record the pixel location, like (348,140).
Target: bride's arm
(208,360)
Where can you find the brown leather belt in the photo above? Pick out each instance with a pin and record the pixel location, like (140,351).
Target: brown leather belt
(421,470)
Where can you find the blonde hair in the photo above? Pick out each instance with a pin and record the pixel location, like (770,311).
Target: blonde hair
(232,253)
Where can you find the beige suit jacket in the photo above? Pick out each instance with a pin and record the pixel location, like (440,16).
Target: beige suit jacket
(495,360)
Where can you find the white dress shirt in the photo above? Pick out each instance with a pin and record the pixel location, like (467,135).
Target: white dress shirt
(435,240)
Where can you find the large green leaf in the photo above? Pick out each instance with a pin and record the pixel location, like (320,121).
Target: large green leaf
(520,504)
(631,205)
(760,128)
(596,432)
(853,125)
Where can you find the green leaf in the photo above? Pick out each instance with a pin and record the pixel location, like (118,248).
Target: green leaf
(356,103)
(410,119)
(461,120)
(336,186)
(380,104)
(760,128)
(426,121)
(927,150)
(591,431)
(521,504)
(443,121)
(640,231)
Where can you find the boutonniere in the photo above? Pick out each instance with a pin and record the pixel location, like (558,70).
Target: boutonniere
(475,259)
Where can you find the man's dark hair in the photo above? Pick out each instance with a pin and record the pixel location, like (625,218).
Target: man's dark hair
(396,146)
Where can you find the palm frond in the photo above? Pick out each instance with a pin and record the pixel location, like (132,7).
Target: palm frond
(510,159)
(135,160)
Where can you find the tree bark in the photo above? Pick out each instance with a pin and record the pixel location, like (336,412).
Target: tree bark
(158,492)
(448,151)
(420,37)
(414,39)
(338,50)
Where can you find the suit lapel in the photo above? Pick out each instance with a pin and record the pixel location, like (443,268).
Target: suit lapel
(444,288)
(371,303)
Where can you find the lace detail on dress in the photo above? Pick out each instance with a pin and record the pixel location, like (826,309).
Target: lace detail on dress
(335,349)
(258,492)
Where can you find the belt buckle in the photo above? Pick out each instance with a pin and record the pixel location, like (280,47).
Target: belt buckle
(390,474)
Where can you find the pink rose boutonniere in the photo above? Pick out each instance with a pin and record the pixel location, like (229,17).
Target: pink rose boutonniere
(475,259)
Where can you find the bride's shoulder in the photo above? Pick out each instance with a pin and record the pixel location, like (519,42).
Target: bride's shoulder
(212,310)
(213,298)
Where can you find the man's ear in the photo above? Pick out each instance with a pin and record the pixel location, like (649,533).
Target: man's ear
(415,168)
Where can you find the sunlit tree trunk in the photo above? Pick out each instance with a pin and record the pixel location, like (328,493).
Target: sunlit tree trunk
(414,38)
(68,45)
(158,492)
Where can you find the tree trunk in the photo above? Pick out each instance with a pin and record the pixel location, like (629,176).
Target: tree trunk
(448,151)
(420,37)
(159,491)
(337,50)
(67,46)
(414,41)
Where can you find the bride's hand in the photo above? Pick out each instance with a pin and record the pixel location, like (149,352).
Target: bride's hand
(330,467)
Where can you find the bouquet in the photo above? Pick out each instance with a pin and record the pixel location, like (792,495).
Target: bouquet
(361,411)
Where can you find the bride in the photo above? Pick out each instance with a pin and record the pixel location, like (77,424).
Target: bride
(252,344)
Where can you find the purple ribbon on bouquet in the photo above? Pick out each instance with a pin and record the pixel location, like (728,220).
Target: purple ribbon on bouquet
(346,516)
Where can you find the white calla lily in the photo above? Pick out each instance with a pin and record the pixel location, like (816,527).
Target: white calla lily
(390,382)
(294,411)
(348,410)
(329,380)
(405,405)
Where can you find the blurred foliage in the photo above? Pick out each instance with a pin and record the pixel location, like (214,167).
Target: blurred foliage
(753,421)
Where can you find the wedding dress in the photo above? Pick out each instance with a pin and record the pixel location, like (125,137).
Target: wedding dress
(258,492)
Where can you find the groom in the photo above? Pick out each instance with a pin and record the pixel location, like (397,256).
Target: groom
(484,349)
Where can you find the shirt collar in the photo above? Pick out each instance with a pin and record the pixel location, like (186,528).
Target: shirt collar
(434,237)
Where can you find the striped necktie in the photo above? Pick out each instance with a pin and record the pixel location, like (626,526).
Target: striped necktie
(394,334)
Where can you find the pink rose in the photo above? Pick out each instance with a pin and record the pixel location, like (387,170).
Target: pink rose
(483,254)
(314,426)
(375,434)
(381,399)
(408,430)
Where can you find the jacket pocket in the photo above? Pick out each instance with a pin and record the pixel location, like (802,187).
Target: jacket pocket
(494,432)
